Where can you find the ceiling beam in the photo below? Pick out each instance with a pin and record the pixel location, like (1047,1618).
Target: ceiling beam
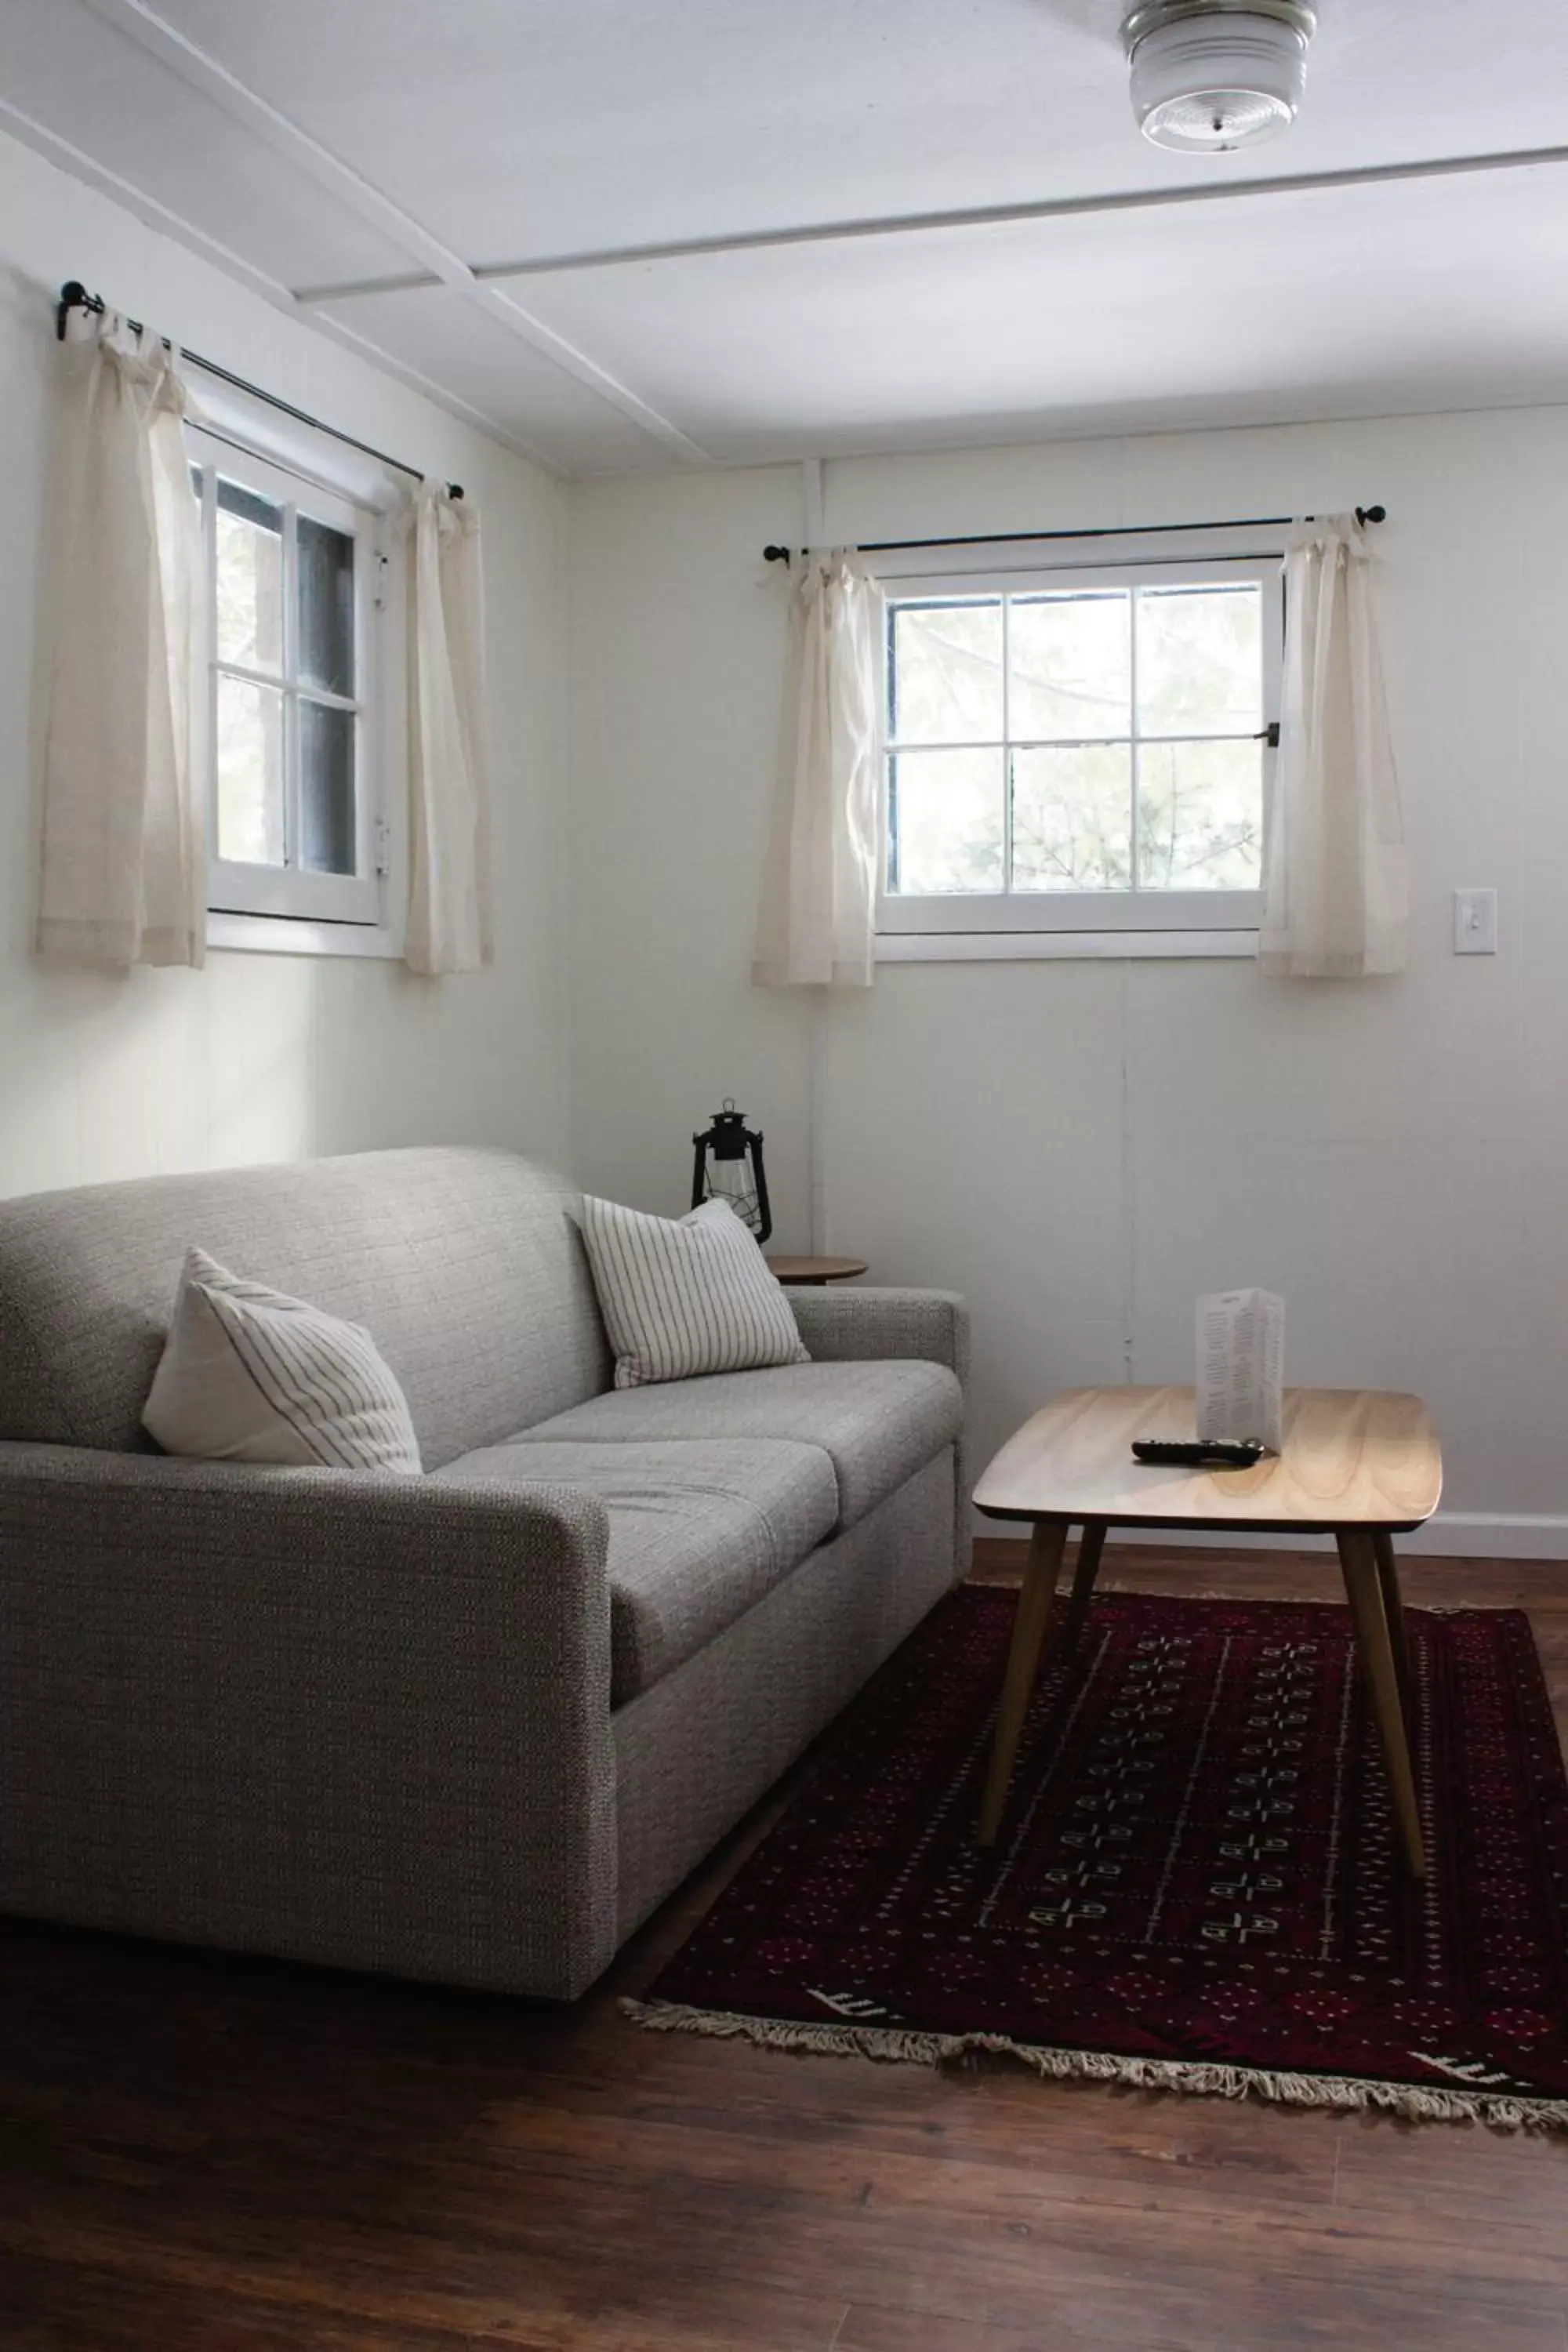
(61,153)
(1049,208)
(439,265)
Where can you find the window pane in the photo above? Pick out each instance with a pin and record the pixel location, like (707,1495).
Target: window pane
(249,772)
(1200,660)
(249,579)
(1072,668)
(326,561)
(945,685)
(1200,816)
(944,821)
(1072,818)
(326,789)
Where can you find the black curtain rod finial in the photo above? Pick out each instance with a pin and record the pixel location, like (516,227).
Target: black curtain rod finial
(74,296)
(776,555)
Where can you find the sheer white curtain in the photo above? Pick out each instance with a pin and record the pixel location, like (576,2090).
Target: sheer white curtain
(123,875)
(1334,887)
(817,917)
(449,923)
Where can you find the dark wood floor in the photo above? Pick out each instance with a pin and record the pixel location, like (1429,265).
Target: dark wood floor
(203,2151)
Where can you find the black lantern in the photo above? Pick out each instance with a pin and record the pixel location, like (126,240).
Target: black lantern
(729,1166)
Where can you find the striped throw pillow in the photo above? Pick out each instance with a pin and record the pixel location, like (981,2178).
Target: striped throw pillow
(249,1375)
(685,1296)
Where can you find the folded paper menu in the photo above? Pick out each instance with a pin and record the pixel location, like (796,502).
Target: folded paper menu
(1241,1367)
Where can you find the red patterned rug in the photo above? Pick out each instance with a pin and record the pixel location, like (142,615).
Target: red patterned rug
(1197,1886)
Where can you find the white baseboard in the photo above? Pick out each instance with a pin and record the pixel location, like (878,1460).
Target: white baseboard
(1518,1535)
(1452,1535)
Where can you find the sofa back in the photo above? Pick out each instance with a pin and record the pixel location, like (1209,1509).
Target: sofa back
(466,1265)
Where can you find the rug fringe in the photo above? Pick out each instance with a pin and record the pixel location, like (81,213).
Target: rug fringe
(1503,2111)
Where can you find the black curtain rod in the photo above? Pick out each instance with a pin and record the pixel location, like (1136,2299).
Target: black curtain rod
(1112,531)
(74,296)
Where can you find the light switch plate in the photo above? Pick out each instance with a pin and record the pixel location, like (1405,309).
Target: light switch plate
(1475,922)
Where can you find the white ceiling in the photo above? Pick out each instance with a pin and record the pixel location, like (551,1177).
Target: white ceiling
(321,143)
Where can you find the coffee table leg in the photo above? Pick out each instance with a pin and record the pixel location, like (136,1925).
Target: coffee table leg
(1046,1549)
(1090,1545)
(1364,1588)
(1394,1610)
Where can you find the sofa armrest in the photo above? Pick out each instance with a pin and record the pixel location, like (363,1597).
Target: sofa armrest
(840,1325)
(330,1716)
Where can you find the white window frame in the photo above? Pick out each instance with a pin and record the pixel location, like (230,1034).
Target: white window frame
(288,910)
(985,926)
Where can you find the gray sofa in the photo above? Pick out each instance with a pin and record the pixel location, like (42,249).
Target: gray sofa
(472,1727)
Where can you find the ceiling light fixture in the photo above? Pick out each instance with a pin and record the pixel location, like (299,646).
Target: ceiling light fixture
(1211,74)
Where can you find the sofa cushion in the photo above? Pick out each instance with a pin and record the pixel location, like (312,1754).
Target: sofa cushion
(879,1423)
(684,1296)
(699,1531)
(250,1374)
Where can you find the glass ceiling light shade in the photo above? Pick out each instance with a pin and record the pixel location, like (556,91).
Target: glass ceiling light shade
(1212,75)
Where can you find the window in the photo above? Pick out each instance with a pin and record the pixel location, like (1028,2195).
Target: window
(296,739)
(1079,751)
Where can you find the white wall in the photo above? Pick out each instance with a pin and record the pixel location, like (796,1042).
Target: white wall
(1081,1147)
(267,1056)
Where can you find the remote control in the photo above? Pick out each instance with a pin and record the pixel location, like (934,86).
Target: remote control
(1200,1453)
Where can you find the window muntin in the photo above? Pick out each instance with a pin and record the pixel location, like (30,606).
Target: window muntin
(1079,749)
(291,738)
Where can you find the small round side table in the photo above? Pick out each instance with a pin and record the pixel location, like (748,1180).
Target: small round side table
(815,1273)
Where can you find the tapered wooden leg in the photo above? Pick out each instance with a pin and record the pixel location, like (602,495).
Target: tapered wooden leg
(1364,1587)
(1045,1550)
(1394,1610)
(1091,1543)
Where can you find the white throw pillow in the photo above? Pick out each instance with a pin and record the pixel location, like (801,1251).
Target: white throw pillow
(685,1296)
(249,1375)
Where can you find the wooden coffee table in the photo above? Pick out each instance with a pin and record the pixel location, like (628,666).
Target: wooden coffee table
(1359,1464)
